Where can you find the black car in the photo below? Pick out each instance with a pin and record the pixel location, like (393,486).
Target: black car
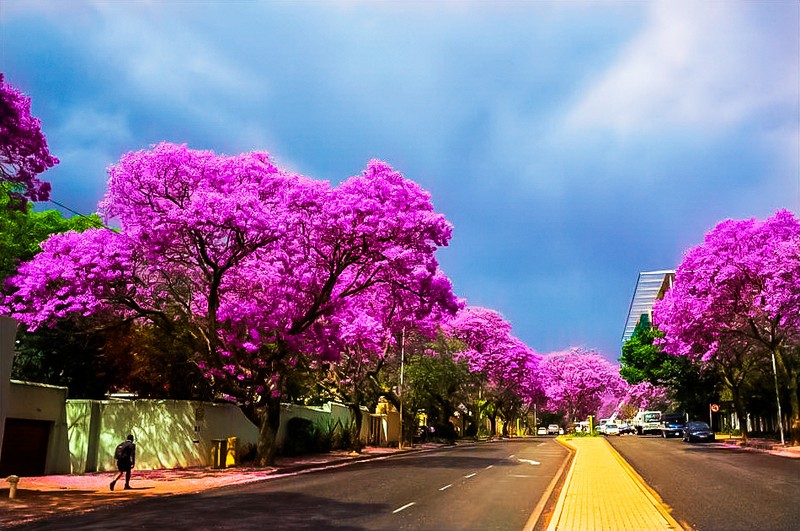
(696,431)
(672,425)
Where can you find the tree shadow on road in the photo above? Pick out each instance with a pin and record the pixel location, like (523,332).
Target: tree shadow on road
(274,511)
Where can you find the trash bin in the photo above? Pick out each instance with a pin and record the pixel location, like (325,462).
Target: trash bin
(219,451)
(231,456)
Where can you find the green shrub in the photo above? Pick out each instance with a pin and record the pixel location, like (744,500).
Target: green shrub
(300,437)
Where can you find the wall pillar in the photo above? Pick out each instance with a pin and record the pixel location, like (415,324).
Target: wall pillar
(8,334)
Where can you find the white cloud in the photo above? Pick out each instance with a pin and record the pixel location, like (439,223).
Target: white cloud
(707,65)
(85,125)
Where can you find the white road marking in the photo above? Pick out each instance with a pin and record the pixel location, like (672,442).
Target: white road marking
(488,467)
(470,475)
(446,487)
(404,507)
(521,476)
(529,461)
(512,456)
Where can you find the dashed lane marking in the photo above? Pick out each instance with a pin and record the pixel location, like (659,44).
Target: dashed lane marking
(446,487)
(470,475)
(488,467)
(403,508)
(529,461)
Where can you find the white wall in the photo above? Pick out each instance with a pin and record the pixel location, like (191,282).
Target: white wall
(167,433)
(36,401)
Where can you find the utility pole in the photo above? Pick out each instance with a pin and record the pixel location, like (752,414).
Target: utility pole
(402,364)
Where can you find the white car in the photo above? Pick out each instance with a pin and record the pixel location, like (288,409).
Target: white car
(541,431)
(611,429)
(552,429)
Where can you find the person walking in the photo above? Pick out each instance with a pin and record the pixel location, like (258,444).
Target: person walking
(125,454)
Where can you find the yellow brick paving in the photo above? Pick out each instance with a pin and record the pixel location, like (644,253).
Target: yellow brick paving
(602,492)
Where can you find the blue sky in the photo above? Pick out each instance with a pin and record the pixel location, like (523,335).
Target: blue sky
(572,144)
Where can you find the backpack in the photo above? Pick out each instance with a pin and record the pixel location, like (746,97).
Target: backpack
(121,451)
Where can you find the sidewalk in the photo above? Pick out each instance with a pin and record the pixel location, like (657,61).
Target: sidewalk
(761,445)
(603,492)
(43,496)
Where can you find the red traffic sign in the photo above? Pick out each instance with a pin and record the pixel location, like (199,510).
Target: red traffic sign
(714,407)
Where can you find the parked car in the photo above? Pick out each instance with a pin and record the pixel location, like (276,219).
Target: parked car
(672,425)
(611,429)
(541,431)
(626,429)
(552,429)
(696,431)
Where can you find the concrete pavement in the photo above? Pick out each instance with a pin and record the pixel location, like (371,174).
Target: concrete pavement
(603,492)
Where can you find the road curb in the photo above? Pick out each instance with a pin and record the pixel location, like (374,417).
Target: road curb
(535,517)
(559,508)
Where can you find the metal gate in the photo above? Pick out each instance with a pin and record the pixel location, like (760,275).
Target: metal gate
(24,447)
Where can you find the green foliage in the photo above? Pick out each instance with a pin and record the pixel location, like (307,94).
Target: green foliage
(306,437)
(22,231)
(593,433)
(93,362)
(66,356)
(300,437)
(691,384)
(436,383)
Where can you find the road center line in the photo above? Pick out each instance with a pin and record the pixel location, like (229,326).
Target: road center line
(512,456)
(470,475)
(488,467)
(404,507)
(446,487)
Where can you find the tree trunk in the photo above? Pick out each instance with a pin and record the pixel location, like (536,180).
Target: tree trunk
(355,442)
(740,409)
(493,425)
(794,405)
(268,432)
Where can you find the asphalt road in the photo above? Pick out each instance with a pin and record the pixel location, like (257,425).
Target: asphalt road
(710,487)
(486,486)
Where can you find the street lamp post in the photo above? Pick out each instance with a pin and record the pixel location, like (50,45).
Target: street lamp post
(777,397)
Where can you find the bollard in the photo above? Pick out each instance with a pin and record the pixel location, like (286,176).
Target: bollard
(12,491)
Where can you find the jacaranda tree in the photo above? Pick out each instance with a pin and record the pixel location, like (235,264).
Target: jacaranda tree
(509,369)
(245,262)
(373,326)
(577,381)
(23,148)
(737,295)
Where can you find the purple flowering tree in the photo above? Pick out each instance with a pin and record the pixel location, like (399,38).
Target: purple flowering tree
(737,297)
(248,264)
(577,380)
(23,148)
(508,368)
(370,329)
